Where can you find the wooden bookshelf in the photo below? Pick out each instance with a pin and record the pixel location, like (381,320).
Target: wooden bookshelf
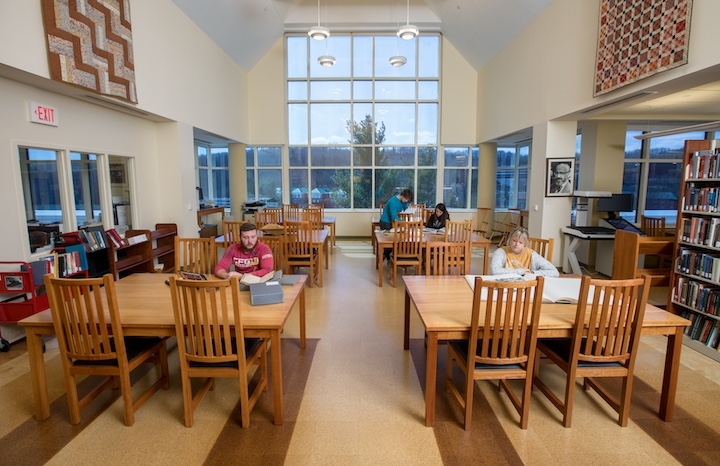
(695,275)
(134,257)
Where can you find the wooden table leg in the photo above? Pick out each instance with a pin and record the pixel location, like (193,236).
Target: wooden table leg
(302,317)
(37,374)
(406,334)
(670,376)
(379,263)
(276,365)
(430,378)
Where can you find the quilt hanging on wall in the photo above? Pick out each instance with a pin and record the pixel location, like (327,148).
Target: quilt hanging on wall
(638,38)
(90,45)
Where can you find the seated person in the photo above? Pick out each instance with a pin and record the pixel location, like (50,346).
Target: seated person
(516,257)
(248,256)
(438,218)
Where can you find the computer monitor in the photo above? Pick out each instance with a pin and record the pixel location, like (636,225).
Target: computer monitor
(615,203)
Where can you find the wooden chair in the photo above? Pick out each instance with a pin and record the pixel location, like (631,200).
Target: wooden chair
(211,342)
(604,343)
(483,220)
(407,247)
(91,342)
(231,232)
(270,216)
(312,215)
(427,213)
(196,255)
(290,212)
(544,247)
(461,233)
(445,258)
(652,226)
(298,250)
(504,349)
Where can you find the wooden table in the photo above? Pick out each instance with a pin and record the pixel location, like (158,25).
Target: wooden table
(319,241)
(444,304)
(385,240)
(330,223)
(146,309)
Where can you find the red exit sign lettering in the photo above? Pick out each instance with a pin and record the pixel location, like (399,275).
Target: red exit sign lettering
(44,114)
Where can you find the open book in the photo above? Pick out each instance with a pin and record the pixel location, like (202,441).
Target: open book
(249,279)
(556,290)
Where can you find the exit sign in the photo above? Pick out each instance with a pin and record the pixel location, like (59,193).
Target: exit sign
(43,114)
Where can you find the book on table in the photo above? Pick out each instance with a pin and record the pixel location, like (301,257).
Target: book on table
(557,290)
(249,279)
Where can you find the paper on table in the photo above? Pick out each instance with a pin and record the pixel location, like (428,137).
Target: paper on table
(555,290)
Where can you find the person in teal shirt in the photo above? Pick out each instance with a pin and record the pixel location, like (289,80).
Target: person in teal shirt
(391,213)
(393,207)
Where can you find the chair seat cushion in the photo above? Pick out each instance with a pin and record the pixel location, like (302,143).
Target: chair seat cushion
(134,346)
(461,347)
(562,348)
(251,345)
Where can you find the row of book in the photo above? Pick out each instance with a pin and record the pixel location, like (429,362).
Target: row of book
(699,264)
(93,239)
(700,296)
(704,164)
(705,330)
(701,198)
(117,240)
(702,231)
(70,263)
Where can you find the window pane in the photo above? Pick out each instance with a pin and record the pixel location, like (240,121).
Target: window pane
(505,157)
(336,46)
(270,187)
(269,156)
(457,156)
(631,183)
(362,56)
(662,192)
(330,188)
(523,156)
(455,187)
(633,146)
(299,187)
(362,156)
(427,124)
(297,124)
(249,157)
(330,156)
(428,90)
(328,123)
(390,182)
(221,188)
(219,157)
(427,156)
(395,156)
(394,90)
(297,58)
(504,189)
(297,90)
(362,90)
(250,180)
(399,122)
(298,156)
(429,53)
(40,181)
(202,156)
(204,182)
(387,46)
(522,189)
(85,188)
(362,188)
(330,90)
(672,147)
(426,192)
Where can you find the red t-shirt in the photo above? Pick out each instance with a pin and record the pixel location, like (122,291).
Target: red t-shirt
(258,262)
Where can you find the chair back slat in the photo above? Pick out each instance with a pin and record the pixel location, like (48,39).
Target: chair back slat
(197,255)
(458,232)
(407,239)
(445,258)
(544,247)
(652,226)
(231,232)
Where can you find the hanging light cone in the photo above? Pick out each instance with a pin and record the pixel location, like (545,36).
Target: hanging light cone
(326,60)
(409,31)
(398,60)
(319,32)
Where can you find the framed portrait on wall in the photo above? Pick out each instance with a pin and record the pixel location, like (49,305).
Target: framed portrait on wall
(560,177)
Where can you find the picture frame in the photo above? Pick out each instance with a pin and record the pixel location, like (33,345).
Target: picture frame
(117,173)
(560,176)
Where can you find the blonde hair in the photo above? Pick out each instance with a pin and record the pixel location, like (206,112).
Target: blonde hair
(519,233)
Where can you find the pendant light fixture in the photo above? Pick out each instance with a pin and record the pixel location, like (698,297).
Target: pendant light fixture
(319,32)
(326,60)
(408,32)
(397,60)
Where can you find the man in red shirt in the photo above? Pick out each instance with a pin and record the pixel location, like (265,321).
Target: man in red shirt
(247,256)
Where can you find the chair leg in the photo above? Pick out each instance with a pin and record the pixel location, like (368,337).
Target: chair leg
(569,398)
(72,397)
(126,389)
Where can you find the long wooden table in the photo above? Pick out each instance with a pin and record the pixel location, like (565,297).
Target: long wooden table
(146,310)
(444,304)
(384,240)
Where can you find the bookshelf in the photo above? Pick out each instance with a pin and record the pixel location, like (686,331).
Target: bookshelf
(135,255)
(163,238)
(695,276)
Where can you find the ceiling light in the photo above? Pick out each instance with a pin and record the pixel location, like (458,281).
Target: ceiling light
(684,129)
(408,32)
(326,60)
(319,32)
(398,60)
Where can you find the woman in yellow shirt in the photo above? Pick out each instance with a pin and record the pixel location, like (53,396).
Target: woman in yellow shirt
(516,257)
